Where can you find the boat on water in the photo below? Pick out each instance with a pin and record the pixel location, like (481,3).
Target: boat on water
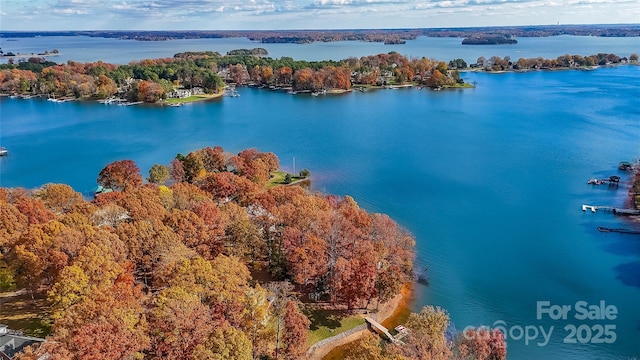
(625,166)
(3,151)
(612,180)
(422,277)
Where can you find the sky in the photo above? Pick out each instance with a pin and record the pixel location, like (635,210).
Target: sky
(42,15)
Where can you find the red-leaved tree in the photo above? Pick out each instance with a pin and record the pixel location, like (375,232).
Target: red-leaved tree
(295,332)
(120,175)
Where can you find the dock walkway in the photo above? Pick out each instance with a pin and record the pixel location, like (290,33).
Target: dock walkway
(615,210)
(383,331)
(618,230)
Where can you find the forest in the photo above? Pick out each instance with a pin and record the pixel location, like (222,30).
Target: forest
(154,79)
(496,63)
(197,261)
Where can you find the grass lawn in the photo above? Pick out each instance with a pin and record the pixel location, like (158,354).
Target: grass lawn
(19,312)
(277,178)
(459,86)
(327,323)
(191,99)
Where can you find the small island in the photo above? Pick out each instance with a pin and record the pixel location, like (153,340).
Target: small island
(248,52)
(489,40)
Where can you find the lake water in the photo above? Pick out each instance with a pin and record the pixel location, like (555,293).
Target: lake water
(490,181)
(87,49)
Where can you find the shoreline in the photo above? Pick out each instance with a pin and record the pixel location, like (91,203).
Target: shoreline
(32,55)
(120,101)
(389,312)
(634,191)
(579,68)
(175,102)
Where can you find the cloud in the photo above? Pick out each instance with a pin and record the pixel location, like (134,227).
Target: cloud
(279,14)
(369,5)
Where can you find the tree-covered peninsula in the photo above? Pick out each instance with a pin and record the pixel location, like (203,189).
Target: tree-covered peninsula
(208,72)
(199,261)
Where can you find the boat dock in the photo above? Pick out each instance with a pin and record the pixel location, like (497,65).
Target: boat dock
(618,230)
(384,332)
(613,180)
(614,210)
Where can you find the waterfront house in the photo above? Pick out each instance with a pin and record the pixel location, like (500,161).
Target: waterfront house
(179,94)
(12,342)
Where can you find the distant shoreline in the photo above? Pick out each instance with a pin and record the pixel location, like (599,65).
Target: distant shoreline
(389,36)
(580,68)
(158,80)
(14,56)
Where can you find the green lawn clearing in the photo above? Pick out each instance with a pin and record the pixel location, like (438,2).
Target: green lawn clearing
(19,312)
(328,323)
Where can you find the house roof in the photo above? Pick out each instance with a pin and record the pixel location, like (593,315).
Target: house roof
(11,342)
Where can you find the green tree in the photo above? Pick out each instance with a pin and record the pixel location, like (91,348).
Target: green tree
(457,64)
(7,281)
(305,173)
(193,166)
(158,174)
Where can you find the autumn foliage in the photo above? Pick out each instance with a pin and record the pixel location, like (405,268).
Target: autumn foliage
(120,175)
(429,336)
(163,271)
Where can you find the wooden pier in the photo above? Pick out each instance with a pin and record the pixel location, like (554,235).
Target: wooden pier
(383,331)
(618,230)
(614,210)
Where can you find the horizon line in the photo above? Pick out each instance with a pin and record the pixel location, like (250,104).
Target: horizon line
(328,29)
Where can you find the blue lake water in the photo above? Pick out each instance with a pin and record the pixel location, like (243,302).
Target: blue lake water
(490,181)
(86,49)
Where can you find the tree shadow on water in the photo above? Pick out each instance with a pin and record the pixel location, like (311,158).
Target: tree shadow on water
(619,244)
(629,273)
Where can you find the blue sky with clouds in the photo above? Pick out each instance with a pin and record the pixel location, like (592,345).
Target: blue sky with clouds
(305,14)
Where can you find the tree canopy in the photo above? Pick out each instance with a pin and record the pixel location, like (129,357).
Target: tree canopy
(166,271)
